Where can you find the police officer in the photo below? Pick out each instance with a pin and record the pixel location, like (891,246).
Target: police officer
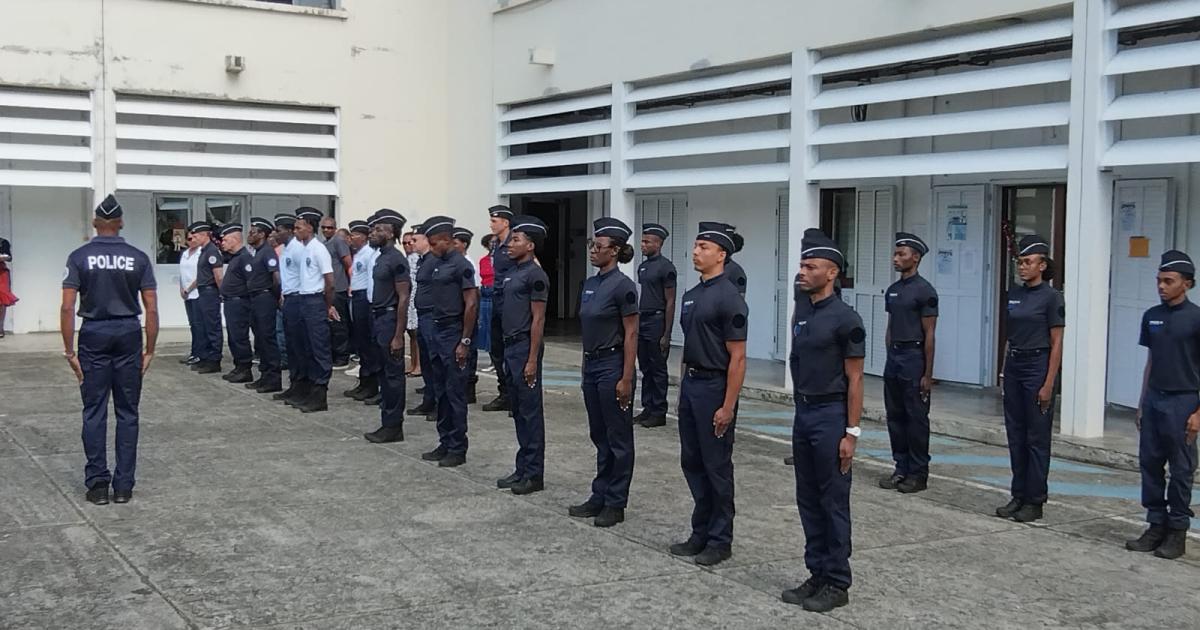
(912,307)
(826,361)
(1035,320)
(657,277)
(608,313)
(235,294)
(316,308)
(422,306)
(1168,417)
(263,285)
(340,257)
(389,312)
(500,222)
(714,321)
(527,288)
(462,241)
(733,270)
(106,275)
(208,282)
(448,283)
(369,361)
(295,340)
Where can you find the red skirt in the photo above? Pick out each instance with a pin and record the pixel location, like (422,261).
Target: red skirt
(6,295)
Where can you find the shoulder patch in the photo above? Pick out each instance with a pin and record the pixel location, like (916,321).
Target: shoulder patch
(631,298)
(272,263)
(1062,311)
(66,272)
(468,273)
(212,260)
(539,286)
(401,268)
(741,282)
(739,321)
(249,267)
(932,301)
(670,275)
(858,334)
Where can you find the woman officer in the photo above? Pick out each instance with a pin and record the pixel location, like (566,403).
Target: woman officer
(609,316)
(1035,319)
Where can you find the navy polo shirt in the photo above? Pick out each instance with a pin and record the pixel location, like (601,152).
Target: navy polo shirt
(713,313)
(825,334)
(524,283)
(210,258)
(656,274)
(108,273)
(236,282)
(502,265)
(1172,333)
(1032,312)
(736,275)
(423,299)
(447,278)
(606,298)
(390,267)
(263,268)
(908,301)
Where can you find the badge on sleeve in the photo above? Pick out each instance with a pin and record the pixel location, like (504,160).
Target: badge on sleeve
(249,267)
(212,260)
(272,263)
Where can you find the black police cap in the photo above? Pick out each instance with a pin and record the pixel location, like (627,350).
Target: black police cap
(1175,260)
(110,208)
(720,233)
(1033,244)
(612,228)
(815,244)
(655,229)
(912,241)
(437,225)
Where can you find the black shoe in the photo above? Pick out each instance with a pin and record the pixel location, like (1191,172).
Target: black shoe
(912,485)
(267,387)
(188,360)
(122,496)
(97,494)
(471,394)
(641,417)
(254,384)
(891,482)
(654,421)
(689,547)
(370,388)
(354,391)
(790,460)
(586,509)
(712,556)
(435,455)
(318,401)
(208,367)
(500,403)
(1174,545)
(528,486)
(422,409)
(804,591)
(1028,513)
(1006,511)
(384,435)
(342,363)
(826,599)
(504,483)
(287,393)
(421,391)
(373,401)
(609,516)
(1149,540)
(452,460)
(303,390)
(241,374)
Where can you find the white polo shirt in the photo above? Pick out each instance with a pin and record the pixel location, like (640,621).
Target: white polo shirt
(289,267)
(360,268)
(187,270)
(315,263)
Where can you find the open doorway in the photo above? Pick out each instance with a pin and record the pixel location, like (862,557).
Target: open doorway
(564,255)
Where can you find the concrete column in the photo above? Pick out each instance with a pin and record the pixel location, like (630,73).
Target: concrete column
(1089,224)
(621,204)
(804,196)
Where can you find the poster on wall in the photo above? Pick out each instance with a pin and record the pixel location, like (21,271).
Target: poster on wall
(945,262)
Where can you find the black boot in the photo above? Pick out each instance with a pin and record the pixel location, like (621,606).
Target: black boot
(269,385)
(373,401)
(383,435)
(528,486)
(254,384)
(586,509)
(609,516)
(505,483)
(317,401)
(435,455)
(911,485)
(422,409)
(1006,511)
(1028,513)
(240,374)
(354,391)
(804,591)
(303,391)
(689,547)
(208,367)
(500,403)
(641,417)
(1174,545)
(287,393)
(891,481)
(471,394)
(1150,539)
(370,387)
(826,599)
(654,421)
(98,493)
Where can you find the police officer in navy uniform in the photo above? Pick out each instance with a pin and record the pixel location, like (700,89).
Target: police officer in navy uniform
(826,361)
(608,313)
(295,339)
(392,286)
(733,270)
(107,275)
(235,294)
(714,321)
(423,306)
(316,309)
(1168,417)
(527,288)
(361,336)
(462,241)
(450,284)
(1035,320)
(209,271)
(912,307)
(263,285)
(657,277)
(501,220)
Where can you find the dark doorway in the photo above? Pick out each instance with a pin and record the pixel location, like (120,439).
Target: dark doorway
(563,256)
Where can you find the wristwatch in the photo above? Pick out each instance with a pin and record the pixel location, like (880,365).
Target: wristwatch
(466,341)
(855,431)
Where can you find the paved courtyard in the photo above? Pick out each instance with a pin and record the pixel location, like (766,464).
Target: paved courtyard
(248,513)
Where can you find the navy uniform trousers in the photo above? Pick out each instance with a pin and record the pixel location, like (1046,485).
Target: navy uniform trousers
(448,382)
(653,364)
(238,316)
(110,354)
(1028,429)
(340,340)
(263,311)
(496,350)
(296,339)
(707,460)
(907,411)
(611,428)
(362,336)
(526,407)
(208,307)
(1163,446)
(314,325)
(192,308)
(391,374)
(424,333)
(822,491)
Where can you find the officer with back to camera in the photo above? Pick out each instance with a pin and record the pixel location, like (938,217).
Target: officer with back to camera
(263,284)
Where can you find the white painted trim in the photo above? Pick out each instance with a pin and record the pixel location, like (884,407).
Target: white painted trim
(226,136)
(50,179)
(226,160)
(43,127)
(41,100)
(560,132)
(170,183)
(45,153)
(561,106)
(201,109)
(1152,13)
(752,141)
(1178,55)
(1154,104)
(554,184)
(1053,157)
(741,78)
(1175,150)
(769,106)
(713,176)
(998,119)
(557,158)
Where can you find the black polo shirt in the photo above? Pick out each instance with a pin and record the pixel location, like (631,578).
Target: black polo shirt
(606,298)
(390,267)
(108,273)
(713,313)
(447,278)
(825,334)
(263,268)
(908,301)
(524,283)
(236,282)
(1172,333)
(736,275)
(423,299)
(502,265)
(656,274)
(210,258)
(1032,312)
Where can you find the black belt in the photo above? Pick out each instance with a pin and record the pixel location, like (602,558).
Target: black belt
(596,354)
(386,309)
(817,399)
(699,372)
(259,292)
(907,345)
(236,297)
(1017,352)
(653,312)
(521,336)
(445,322)
(358,292)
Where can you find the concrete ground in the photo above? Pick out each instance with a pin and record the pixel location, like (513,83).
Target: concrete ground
(248,513)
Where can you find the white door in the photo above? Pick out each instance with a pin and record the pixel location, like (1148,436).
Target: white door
(1141,210)
(669,211)
(873,235)
(783,278)
(958,266)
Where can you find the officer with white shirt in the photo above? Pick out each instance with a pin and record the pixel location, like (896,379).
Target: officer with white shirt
(295,342)
(190,294)
(315,295)
(369,361)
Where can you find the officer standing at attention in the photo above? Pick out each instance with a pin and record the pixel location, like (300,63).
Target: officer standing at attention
(1168,417)
(527,288)
(500,221)
(714,321)
(263,284)
(295,341)
(608,313)
(826,361)
(422,306)
(449,283)
(369,361)
(340,257)
(912,306)
(462,241)
(316,309)
(208,283)
(107,275)
(657,277)
(1035,329)
(235,294)
(389,312)
(733,270)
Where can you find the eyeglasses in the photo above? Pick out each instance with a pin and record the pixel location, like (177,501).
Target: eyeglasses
(596,246)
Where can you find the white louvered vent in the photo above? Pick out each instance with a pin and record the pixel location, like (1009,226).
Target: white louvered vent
(45,138)
(556,145)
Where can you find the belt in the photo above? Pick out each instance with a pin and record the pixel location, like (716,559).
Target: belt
(448,321)
(260,292)
(358,292)
(907,345)
(699,372)
(602,352)
(817,399)
(521,336)
(653,312)
(386,309)
(317,294)
(236,297)
(1017,352)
